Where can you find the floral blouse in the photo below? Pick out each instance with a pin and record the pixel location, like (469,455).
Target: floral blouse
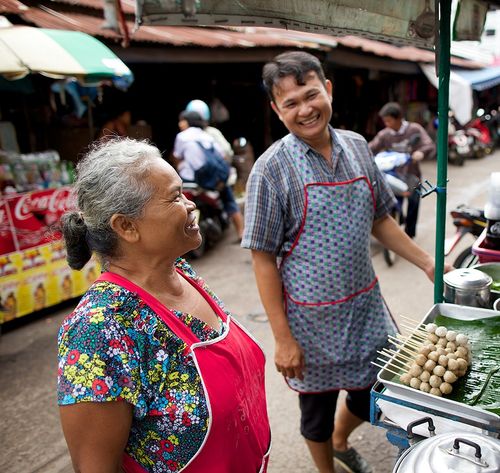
(113,347)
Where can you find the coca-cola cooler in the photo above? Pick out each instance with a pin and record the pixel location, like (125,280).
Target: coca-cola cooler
(33,269)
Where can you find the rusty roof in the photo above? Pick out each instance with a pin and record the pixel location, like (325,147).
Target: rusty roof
(91,21)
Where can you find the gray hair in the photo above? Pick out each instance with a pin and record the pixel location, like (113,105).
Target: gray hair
(112,179)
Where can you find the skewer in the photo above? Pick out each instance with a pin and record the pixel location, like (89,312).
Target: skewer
(389,363)
(416,330)
(406,353)
(411,320)
(393,359)
(399,346)
(402,355)
(416,333)
(386,369)
(405,343)
(392,367)
(418,337)
(408,340)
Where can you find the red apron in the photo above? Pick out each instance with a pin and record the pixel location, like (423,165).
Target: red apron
(231,368)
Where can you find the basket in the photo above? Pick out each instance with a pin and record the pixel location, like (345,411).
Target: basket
(485,255)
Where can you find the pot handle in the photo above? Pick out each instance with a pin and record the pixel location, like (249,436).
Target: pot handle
(409,430)
(496,305)
(474,445)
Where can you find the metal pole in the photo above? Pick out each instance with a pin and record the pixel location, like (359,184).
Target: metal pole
(442,145)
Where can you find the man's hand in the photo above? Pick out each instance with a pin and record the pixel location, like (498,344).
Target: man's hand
(429,270)
(417,155)
(289,358)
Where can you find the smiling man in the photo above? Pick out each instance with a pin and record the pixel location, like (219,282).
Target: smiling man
(313,200)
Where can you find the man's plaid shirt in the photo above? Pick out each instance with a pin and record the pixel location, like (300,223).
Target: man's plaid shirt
(275,196)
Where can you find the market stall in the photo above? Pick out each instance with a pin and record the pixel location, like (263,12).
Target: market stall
(474,403)
(36,187)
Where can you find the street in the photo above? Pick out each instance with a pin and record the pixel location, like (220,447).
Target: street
(31,439)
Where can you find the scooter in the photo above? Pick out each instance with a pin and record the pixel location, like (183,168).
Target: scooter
(394,165)
(212,219)
(460,147)
(210,215)
(478,130)
(466,220)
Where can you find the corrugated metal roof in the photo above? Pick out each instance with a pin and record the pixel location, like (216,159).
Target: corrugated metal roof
(248,37)
(128,6)
(173,35)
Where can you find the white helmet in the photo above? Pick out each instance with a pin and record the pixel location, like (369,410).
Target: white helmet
(200,107)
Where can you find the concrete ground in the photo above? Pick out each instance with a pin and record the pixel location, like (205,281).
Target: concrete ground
(31,439)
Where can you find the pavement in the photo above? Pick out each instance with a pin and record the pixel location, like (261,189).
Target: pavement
(31,439)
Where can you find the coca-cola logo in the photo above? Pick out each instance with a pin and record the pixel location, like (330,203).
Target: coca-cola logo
(57,201)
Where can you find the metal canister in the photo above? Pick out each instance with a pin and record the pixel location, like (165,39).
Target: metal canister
(466,286)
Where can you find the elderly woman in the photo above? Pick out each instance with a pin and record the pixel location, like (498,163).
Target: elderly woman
(154,374)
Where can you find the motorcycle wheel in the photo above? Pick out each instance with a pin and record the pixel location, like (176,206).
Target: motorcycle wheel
(466,259)
(456,158)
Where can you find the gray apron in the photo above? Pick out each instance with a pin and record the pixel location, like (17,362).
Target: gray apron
(333,301)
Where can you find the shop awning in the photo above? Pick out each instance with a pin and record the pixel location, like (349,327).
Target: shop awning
(59,54)
(481,79)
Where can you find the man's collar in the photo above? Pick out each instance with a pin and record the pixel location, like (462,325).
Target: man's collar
(402,128)
(304,147)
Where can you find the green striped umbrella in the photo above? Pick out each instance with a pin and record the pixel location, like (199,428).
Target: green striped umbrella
(59,54)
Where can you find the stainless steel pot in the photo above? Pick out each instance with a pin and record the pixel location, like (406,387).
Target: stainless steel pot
(460,452)
(466,286)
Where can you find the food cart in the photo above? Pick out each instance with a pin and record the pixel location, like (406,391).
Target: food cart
(424,23)
(36,187)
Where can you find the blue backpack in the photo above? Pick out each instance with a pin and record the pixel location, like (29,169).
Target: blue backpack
(215,172)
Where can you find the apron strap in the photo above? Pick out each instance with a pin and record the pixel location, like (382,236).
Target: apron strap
(166,315)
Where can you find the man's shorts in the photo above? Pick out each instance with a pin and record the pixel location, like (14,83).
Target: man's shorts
(228,201)
(318,411)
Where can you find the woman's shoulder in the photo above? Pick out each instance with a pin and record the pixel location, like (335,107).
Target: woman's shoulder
(106,311)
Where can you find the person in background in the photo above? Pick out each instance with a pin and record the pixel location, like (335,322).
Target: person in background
(397,136)
(190,157)
(314,199)
(204,111)
(154,373)
(116,124)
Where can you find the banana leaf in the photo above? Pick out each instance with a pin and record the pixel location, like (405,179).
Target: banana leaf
(480,386)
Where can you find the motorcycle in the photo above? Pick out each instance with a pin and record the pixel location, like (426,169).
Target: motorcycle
(478,129)
(459,147)
(211,217)
(467,220)
(394,165)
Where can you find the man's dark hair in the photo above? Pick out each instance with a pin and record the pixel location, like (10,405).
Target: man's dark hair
(293,63)
(391,109)
(192,118)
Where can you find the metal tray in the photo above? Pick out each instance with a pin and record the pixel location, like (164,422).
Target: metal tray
(447,406)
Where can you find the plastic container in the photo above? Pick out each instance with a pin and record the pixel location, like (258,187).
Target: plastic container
(492,213)
(485,254)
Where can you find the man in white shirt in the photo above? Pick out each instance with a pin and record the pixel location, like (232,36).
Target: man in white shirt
(190,157)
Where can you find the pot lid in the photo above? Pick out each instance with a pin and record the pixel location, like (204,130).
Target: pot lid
(467,278)
(465,452)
